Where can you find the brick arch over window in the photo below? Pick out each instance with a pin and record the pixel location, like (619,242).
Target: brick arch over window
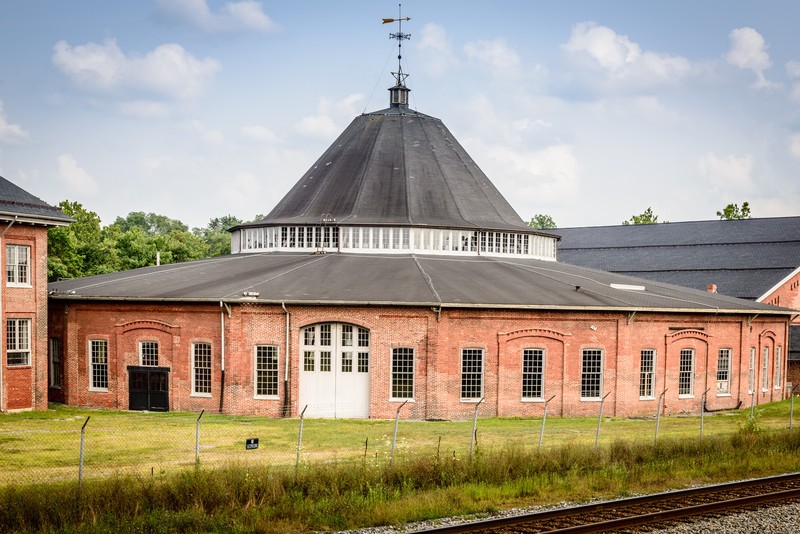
(160,326)
(510,375)
(684,365)
(687,334)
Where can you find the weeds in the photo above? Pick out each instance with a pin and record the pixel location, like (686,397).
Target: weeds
(245,498)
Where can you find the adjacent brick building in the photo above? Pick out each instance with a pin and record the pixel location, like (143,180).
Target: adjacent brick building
(394,274)
(24,220)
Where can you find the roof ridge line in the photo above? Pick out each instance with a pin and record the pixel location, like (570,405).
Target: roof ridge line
(283,273)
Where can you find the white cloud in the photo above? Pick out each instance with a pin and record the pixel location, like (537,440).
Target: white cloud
(621,58)
(331,117)
(10,133)
(748,51)
(728,173)
(80,181)
(232,17)
(497,55)
(436,50)
(168,70)
(210,136)
(794,145)
(793,69)
(259,134)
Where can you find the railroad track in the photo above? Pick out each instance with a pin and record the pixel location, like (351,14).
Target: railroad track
(628,514)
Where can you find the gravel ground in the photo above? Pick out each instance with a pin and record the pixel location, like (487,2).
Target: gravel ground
(780,519)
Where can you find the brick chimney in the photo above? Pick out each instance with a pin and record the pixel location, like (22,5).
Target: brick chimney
(712,288)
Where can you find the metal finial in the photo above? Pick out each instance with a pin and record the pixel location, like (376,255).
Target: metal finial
(400,76)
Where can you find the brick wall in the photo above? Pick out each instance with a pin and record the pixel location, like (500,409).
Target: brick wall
(25,387)
(437,338)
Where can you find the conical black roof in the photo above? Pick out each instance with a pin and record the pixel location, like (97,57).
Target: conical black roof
(396,167)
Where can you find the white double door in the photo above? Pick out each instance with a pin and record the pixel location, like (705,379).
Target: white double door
(334,371)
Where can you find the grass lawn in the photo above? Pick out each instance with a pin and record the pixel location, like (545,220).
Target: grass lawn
(139,475)
(44,446)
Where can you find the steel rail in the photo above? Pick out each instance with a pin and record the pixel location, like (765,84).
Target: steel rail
(498,524)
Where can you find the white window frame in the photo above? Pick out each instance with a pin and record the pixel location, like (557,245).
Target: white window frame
(778,378)
(98,369)
(54,362)
(751,382)
(149,342)
(18,342)
(271,375)
(471,377)
(588,373)
(18,274)
(198,351)
(647,378)
(765,370)
(532,375)
(724,360)
(403,374)
(684,373)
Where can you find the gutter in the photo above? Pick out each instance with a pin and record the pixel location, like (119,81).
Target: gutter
(223,308)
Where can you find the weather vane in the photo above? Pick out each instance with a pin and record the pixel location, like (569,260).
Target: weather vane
(400,37)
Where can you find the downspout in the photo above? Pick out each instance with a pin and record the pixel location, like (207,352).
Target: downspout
(222,309)
(286,400)
(2,407)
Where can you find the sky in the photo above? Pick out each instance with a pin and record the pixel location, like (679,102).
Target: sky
(587,111)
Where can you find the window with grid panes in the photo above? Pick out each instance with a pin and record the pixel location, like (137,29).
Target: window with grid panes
(54,360)
(402,373)
(266,371)
(18,265)
(686,372)
(724,371)
(591,373)
(308,360)
(148,353)
(471,373)
(325,361)
(201,368)
(765,370)
(347,362)
(776,382)
(98,363)
(532,373)
(751,383)
(647,365)
(18,342)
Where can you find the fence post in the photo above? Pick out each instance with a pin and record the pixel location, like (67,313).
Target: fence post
(544,418)
(702,412)
(299,441)
(197,439)
(80,462)
(791,406)
(474,428)
(394,436)
(600,419)
(658,413)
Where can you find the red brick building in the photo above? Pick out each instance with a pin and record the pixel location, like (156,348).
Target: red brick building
(394,272)
(24,220)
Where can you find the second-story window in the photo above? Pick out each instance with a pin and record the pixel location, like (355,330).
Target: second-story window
(18,265)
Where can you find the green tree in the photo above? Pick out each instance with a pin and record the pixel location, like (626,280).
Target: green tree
(732,212)
(79,249)
(646,217)
(216,234)
(542,221)
(150,223)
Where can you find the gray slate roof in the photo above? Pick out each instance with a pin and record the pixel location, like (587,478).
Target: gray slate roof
(396,167)
(744,258)
(405,280)
(16,202)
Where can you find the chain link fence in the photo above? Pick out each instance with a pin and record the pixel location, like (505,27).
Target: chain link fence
(69,443)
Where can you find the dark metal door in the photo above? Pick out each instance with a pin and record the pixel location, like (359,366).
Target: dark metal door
(149,389)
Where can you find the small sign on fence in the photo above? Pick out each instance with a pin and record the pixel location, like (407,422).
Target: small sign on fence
(251,443)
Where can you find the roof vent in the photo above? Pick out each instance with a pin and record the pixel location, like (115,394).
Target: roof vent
(627,287)
(249,294)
